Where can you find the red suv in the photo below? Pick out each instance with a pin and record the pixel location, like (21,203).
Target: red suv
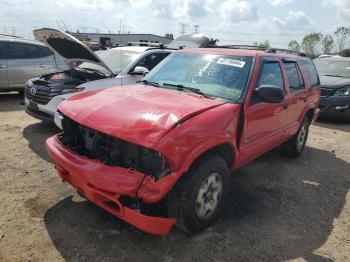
(161,152)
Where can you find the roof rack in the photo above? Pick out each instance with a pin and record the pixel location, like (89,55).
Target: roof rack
(260,48)
(287,51)
(249,47)
(10,36)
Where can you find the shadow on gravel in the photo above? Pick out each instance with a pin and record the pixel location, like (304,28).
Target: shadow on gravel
(11,102)
(331,124)
(279,209)
(36,134)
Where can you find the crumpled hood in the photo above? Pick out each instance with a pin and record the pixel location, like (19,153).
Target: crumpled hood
(136,113)
(331,81)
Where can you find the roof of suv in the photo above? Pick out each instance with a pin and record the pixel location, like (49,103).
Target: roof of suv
(15,39)
(244,52)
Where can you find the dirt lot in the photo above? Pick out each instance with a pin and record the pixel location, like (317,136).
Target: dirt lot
(280,209)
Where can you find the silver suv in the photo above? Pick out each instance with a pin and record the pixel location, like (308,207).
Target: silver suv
(21,60)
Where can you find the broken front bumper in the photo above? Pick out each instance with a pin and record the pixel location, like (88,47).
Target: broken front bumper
(104,185)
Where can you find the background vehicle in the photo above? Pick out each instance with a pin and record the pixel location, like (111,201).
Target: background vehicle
(44,93)
(335,87)
(21,60)
(163,149)
(114,67)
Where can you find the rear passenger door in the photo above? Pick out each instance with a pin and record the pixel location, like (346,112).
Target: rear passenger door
(296,96)
(24,62)
(3,65)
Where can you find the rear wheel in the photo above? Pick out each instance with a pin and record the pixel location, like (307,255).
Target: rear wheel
(198,198)
(294,147)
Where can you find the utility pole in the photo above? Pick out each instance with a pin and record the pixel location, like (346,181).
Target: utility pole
(183,28)
(196,27)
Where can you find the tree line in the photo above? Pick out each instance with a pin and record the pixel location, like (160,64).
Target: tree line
(315,44)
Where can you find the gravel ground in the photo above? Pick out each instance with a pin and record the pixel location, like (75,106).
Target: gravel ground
(280,209)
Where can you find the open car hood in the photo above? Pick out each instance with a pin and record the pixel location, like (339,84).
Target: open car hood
(68,47)
(139,114)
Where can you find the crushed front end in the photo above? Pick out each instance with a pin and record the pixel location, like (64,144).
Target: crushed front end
(119,176)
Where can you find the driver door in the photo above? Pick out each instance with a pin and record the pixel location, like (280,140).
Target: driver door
(264,123)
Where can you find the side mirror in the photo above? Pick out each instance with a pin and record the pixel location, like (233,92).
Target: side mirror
(140,70)
(270,94)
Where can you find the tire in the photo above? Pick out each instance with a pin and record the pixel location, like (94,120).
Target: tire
(294,147)
(197,199)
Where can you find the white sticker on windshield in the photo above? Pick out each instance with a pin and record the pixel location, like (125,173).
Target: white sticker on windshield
(231,62)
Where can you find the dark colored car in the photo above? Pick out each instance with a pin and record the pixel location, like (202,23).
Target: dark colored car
(334,74)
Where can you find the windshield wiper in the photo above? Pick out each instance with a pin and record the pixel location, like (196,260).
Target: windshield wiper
(192,89)
(150,83)
(333,75)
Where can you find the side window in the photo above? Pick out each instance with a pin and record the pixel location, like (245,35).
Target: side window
(23,51)
(271,74)
(295,78)
(311,72)
(2,50)
(150,61)
(44,51)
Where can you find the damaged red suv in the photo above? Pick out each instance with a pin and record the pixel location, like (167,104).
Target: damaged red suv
(161,152)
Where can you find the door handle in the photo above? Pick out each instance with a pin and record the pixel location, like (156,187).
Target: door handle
(285,105)
(2,66)
(41,65)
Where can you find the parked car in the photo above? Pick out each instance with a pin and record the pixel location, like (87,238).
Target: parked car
(335,87)
(113,67)
(21,60)
(161,152)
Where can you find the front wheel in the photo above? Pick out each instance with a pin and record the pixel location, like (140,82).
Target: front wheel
(198,198)
(294,147)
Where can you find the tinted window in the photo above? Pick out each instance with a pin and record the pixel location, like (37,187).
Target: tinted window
(150,61)
(295,79)
(2,50)
(23,51)
(44,51)
(311,72)
(271,74)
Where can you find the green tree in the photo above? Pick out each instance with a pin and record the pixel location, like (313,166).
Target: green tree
(169,35)
(342,34)
(311,44)
(294,45)
(265,44)
(327,44)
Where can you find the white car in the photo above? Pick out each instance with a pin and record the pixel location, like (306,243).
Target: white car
(103,69)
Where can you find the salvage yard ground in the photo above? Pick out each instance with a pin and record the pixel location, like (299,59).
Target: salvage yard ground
(279,209)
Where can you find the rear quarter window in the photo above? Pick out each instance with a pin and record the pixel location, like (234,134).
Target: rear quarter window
(311,72)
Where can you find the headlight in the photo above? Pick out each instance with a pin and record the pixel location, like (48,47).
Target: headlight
(58,118)
(345,91)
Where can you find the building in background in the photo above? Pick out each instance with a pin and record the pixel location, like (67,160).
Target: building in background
(121,39)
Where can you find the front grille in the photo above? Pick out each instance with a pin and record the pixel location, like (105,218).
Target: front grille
(327,91)
(110,150)
(40,94)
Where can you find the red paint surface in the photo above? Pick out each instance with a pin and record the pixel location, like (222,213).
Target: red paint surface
(180,125)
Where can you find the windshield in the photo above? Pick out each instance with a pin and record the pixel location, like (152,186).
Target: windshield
(333,67)
(116,59)
(220,76)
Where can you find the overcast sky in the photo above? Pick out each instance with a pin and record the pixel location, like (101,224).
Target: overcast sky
(234,21)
